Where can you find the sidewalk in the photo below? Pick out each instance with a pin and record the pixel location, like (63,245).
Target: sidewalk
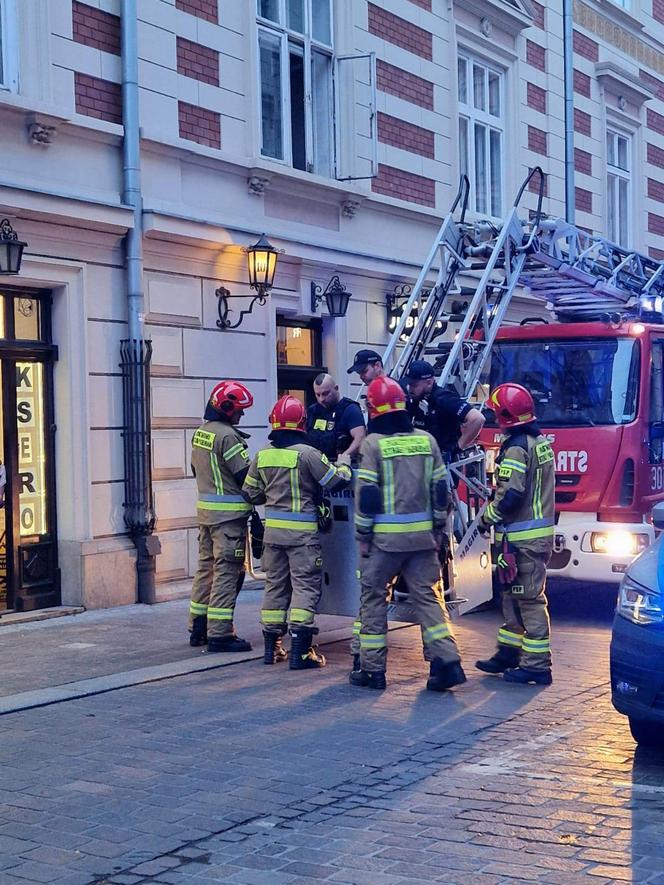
(97,651)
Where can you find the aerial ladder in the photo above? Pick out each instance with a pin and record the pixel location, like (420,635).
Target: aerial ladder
(579,275)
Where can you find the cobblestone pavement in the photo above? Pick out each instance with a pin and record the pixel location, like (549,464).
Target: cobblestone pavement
(253,774)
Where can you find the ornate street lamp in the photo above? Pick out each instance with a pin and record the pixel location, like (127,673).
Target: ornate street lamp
(335,295)
(261,266)
(11,249)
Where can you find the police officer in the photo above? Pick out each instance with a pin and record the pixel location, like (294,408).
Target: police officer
(368,365)
(287,477)
(452,422)
(220,461)
(401,505)
(523,509)
(335,424)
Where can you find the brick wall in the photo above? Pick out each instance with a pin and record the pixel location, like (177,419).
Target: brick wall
(207,9)
(582,122)
(583,199)
(95,28)
(98,98)
(406,136)
(655,155)
(585,46)
(535,55)
(658,10)
(534,184)
(583,161)
(536,98)
(423,4)
(654,121)
(199,125)
(655,224)
(404,85)
(656,85)
(400,32)
(538,14)
(402,185)
(537,140)
(657,254)
(196,61)
(656,190)
(581,83)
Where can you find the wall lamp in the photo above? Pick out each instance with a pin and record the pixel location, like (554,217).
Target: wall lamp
(335,295)
(11,249)
(261,267)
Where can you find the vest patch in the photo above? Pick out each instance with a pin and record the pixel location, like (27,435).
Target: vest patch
(203,439)
(394,446)
(544,453)
(278,458)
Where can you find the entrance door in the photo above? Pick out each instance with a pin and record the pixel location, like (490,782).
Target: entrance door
(29,576)
(299,354)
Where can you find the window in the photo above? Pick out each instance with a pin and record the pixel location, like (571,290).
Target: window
(481,127)
(618,186)
(8,76)
(299,357)
(296,58)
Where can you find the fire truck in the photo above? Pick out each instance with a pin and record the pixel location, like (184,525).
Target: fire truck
(595,374)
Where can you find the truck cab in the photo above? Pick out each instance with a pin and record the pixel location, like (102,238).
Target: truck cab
(598,389)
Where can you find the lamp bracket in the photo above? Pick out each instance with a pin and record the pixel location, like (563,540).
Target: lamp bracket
(223,307)
(7,232)
(318,293)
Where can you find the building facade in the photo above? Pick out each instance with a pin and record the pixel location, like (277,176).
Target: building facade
(337,127)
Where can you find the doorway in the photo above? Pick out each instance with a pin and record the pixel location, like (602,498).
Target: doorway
(29,575)
(299,357)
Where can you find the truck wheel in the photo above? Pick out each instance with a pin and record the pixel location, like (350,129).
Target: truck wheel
(647,734)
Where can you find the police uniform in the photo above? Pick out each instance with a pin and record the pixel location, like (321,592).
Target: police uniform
(219,455)
(523,512)
(288,481)
(403,473)
(441,413)
(329,430)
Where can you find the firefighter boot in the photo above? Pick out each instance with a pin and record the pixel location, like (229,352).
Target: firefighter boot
(274,650)
(228,643)
(303,656)
(523,676)
(504,659)
(443,676)
(365,679)
(356,663)
(198,634)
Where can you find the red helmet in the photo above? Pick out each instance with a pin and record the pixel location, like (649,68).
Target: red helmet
(227,396)
(288,413)
(385,395)
(512,404)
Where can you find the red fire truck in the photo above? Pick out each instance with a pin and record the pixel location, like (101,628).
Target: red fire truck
(599,394)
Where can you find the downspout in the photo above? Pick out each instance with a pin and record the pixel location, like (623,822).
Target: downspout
(135,351)
(568,83)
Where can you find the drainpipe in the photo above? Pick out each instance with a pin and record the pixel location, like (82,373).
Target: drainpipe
(568,56)
(135,351)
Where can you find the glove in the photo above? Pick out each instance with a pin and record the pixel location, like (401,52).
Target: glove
(343,460)
(506,567)
(483,528)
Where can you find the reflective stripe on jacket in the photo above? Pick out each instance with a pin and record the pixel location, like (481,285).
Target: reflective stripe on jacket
(218,453)
(289,482)
(523,505)
(407,469)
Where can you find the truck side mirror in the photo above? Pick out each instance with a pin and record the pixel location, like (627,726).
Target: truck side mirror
(658,515)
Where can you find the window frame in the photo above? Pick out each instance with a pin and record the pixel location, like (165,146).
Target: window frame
(8,46)
(309,47)
(477,117)
(618,174)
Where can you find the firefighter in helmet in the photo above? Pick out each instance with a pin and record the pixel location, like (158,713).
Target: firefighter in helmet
(220,461)
(522,510)
(401,497)
(287,477)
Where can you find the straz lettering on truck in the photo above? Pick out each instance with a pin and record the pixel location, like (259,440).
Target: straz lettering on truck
(568,460)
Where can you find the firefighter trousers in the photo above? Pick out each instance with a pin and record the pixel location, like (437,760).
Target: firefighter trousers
(293,586)
(421,571)
(220,575)
(526,612)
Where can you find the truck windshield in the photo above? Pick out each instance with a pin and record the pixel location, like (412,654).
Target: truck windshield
(578,382)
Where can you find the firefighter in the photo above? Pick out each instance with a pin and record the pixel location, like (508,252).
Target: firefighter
(220,461)
(401,499)
(523,509)
(287,477)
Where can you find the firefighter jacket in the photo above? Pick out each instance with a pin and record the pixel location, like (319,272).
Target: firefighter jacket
(523,503)
(219,459)
(401,492)
(289,481)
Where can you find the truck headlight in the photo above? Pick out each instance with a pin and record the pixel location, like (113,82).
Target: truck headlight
(638,604)
(618,543)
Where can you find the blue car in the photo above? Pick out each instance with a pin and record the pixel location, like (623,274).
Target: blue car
(637,643)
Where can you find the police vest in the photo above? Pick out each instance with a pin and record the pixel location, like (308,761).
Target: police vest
(323,434)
